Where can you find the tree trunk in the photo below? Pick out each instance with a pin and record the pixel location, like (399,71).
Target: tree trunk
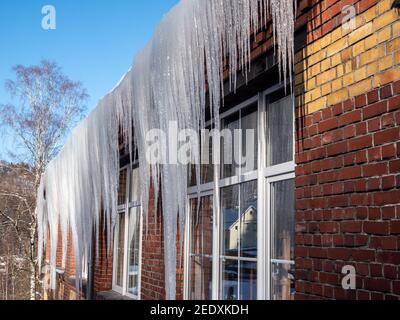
(32,262)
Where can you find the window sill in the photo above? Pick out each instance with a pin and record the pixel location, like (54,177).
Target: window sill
(112,295)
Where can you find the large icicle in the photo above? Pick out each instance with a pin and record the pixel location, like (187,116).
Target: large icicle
(167,83)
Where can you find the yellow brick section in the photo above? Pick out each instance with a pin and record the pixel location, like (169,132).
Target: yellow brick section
(346,63)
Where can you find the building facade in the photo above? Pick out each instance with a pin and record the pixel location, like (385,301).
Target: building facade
(321,196)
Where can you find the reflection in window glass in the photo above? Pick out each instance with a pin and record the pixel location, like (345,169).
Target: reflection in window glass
(134,187)
(240,157)
(248,225)
(282,281)
(239,216)
(230,273)
(230,217)
(282,241)
(248,280)
(280,131)
(120,250)
(200,278)
(206,160)
(201,248)
(228,146)
(249,126)
(122,187)
(282,230)
(133,253)
(202,225)
(207,170)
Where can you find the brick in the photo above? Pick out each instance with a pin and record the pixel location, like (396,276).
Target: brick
(364,255)
(388,182)
(375,110)
(349,118)
(386,198)
(384,20)
(379,228)
(340,45)
(394,103)
(371,41)
(375,154)
(360,143)
(385,63)
(327,125)
(350,173)
(337,148)
(395,227)
(393,45)
(360,101)
(361,87)
(377,169)
(361,33)
(389,135)
(387,77)
(394,167)
(373,96)
(351,226)
(372,55)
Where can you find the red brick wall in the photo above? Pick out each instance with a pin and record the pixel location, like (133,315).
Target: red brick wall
(102,271)
(348,198)
(153,278)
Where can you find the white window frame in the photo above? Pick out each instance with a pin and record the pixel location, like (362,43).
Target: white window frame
(124,210)
(264,176)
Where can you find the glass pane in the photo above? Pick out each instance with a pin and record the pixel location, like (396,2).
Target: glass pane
(207,169)
(280,131)
(248,213)
(282,215)
(282,282)
(206,162)
(134,249)
(230,220)
(230,272)
(202,226)
(228,147)
(248,280)
(201,278)
(134,187)
(120,250)
(249,126)
(122,187)
(191,175)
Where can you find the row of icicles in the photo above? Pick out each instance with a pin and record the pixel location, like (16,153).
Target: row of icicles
(170,80)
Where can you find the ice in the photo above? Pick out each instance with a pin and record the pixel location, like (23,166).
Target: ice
(168,81)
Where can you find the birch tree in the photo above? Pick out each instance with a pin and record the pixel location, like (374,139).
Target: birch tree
(48,105)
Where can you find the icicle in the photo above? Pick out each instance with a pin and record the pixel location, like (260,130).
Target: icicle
(167,83)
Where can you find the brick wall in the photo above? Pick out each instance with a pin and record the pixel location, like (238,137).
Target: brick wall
(347,152)
(102,270)
(153,279)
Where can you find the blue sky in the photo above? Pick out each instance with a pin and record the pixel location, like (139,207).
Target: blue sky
(95,40)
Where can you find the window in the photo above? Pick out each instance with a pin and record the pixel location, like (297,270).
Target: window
(127,236)
(249,252)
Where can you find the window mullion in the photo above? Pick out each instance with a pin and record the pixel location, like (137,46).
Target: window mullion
(261,216)
(267,281)
(187,249)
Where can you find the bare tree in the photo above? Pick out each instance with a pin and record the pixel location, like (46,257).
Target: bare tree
(49,105)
